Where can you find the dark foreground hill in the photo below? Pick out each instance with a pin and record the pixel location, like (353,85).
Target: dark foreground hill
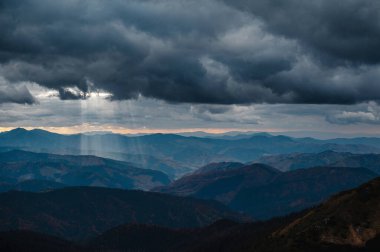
(351,218)
(264,192)
(80,212)
(223,235)
(347,222)
(19,166)
(220,236)
(19,241)
(32,185)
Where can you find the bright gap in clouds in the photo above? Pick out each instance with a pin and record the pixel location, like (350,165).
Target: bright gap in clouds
(146,116)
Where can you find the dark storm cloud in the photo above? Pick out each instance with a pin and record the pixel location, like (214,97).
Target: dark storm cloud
(348,30)
(71,94)
(194,51)
(15,93)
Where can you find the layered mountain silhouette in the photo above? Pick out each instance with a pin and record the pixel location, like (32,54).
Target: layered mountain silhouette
(264,192)
(176,154)
(46,169)
(348,221)
(287,162)
(81,212)
(73,200)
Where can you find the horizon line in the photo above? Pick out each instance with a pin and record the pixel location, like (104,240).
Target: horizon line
(211,131)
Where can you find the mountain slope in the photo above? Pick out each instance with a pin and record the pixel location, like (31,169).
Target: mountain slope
(220,236)
(222,166)
(349,218)
(77,170)
(80,212)
(347,222)
(296,190)
(221,184)
(31,185)
(264,192)
(160,239)
(287,162)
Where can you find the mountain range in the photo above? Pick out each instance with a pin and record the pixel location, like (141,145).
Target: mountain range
(348,221)
(258,190)
(264,192)
(175,154)
(73,192)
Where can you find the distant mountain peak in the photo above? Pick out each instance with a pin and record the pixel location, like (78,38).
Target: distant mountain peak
(23,131)
(18,130)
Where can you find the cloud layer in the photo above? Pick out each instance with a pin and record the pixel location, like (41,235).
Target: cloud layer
(15,93)
(194,51)
(341,30)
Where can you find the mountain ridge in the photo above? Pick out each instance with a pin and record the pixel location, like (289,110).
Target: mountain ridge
(188,152)
(264,192)
(293,161)
(79,212)
(73,170)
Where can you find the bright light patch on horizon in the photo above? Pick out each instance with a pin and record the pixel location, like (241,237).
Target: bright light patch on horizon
(147,115)
(85,128)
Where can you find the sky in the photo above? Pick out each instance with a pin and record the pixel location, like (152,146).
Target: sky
(145,66)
